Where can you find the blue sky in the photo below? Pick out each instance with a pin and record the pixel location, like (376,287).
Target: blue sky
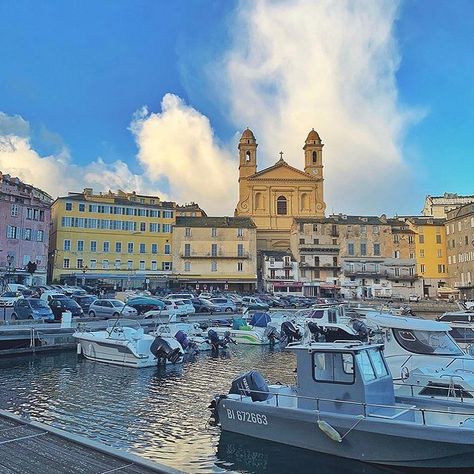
(78,71)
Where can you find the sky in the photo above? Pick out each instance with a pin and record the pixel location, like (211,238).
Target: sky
(152,96)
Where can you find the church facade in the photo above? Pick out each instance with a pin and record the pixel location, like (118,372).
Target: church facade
(274,196)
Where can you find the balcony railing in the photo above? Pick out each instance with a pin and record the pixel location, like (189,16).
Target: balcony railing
(328,266)
(322,248)
(463,284)
(230,255)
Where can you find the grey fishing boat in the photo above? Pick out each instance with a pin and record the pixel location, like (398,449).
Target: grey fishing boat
(344,404)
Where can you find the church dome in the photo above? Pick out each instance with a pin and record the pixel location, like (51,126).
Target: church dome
(248,134)
(313,136)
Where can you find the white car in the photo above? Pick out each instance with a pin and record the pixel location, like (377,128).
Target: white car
(9,297)
(172,308)
(413,298)
(179,296)
(52,294)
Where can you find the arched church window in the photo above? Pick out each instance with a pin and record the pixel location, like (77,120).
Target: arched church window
(315,157)
(247,156)
(304,202)
(282,208)
(258,201)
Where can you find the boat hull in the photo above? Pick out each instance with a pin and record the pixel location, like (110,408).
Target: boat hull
(369,440)
(251,337)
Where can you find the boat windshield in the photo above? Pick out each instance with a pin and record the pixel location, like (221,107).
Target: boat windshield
(462,334)
(427,342)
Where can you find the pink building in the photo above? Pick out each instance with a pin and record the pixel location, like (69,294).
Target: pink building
(24,231)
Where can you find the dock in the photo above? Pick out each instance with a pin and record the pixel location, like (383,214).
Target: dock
(30,447)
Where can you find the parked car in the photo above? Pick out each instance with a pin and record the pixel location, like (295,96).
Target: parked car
(110,308)
(16,287)
(226,305)
(254,303)
(9,297)
(185,307)
(84,301)
(200,305)
(60,305)
(179,296)
(172,309)
(413,298)
(144,304)
(206,296)
(32,308)
(52,294)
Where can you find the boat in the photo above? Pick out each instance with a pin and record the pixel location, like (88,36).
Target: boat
(125,343)
(257,331)
(189,335)
(344,404)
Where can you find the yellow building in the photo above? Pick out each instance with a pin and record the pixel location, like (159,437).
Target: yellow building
(273,197)
(124,239)
(431,254)
(215,253)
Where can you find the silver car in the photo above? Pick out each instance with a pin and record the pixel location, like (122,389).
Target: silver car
(106,308)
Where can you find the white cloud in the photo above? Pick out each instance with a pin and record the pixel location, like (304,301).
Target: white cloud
(331,65)
(57,174)
(178,144)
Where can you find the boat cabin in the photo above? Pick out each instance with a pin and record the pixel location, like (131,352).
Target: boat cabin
(344,377)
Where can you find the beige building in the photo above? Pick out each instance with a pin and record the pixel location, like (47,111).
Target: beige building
(274,196)
(460,249)
(215,253)
(439,206)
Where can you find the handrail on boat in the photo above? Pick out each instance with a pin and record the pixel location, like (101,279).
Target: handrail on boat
(403,409)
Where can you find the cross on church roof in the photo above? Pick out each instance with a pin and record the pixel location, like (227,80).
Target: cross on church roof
(281,155)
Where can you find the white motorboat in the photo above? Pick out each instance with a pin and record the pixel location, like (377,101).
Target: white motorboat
(189,335)
(128,346)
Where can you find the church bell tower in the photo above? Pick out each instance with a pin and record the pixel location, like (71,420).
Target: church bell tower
(313,155)
(247,154)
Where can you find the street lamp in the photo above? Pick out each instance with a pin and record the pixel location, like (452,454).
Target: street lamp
(84,270)
(10,259)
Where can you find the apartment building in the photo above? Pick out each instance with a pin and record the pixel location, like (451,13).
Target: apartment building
(124,239)
(280,273)
(25,217)
(439,206)
(211,253)
(460,249)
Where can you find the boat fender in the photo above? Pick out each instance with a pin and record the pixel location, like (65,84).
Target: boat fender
(79,349)
(329,431)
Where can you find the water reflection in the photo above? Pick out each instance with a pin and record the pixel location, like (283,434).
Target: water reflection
(160,413)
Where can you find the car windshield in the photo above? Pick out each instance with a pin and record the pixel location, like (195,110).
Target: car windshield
(10,294)
(179,302)
(70,304)
(86,299)
(219,300)
(427,342)
(38,304)
(117,303)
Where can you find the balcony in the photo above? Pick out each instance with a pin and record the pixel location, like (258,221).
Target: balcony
(391,276)
(361,274)
(463,284)
(324,266)
(318,248)
(218,255)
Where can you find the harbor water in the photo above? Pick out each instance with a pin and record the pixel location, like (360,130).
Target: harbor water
(160,413)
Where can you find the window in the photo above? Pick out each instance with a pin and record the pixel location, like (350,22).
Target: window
(240,250)
(187,250)
(213,232)
(377,363)
(106,247)
(240,232)
(154,227)
(167,214)
(363,249)
(213,266)
(80,246)
(14,210)
(129,264)
(187,266)
(154,265)
(167,249)
(426,342)
(141,265)
(142,248)
(105,264)
(396,254)
(422,268)
(375,229)
(363,229)
(187,231)
(41,216)
(438,238)
(118,247)
(396,239)
(422,253)
(441,269)
(69,206)
(154,248)
(316,241)
(315,157)
(166,266)
(214,250)
(79,263)
(282,208)
(130,247)
(377,249)
(67,245)
(66,263)
(39,236)
(93,264)
(411,240)
(411,271)
(439,253)
(397,272)
(93,246)
(333,367)
(350,248)
(303,273)
(27,234)
(301,241)
(365,365)
(412,255)
(167,228)
(240,267)
(142,226)
(421,239)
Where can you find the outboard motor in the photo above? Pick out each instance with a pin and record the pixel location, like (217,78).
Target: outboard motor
(251,384)
(316,331)
(162,350)
(272,334)
(363,332)
(290,332)
(182,338)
